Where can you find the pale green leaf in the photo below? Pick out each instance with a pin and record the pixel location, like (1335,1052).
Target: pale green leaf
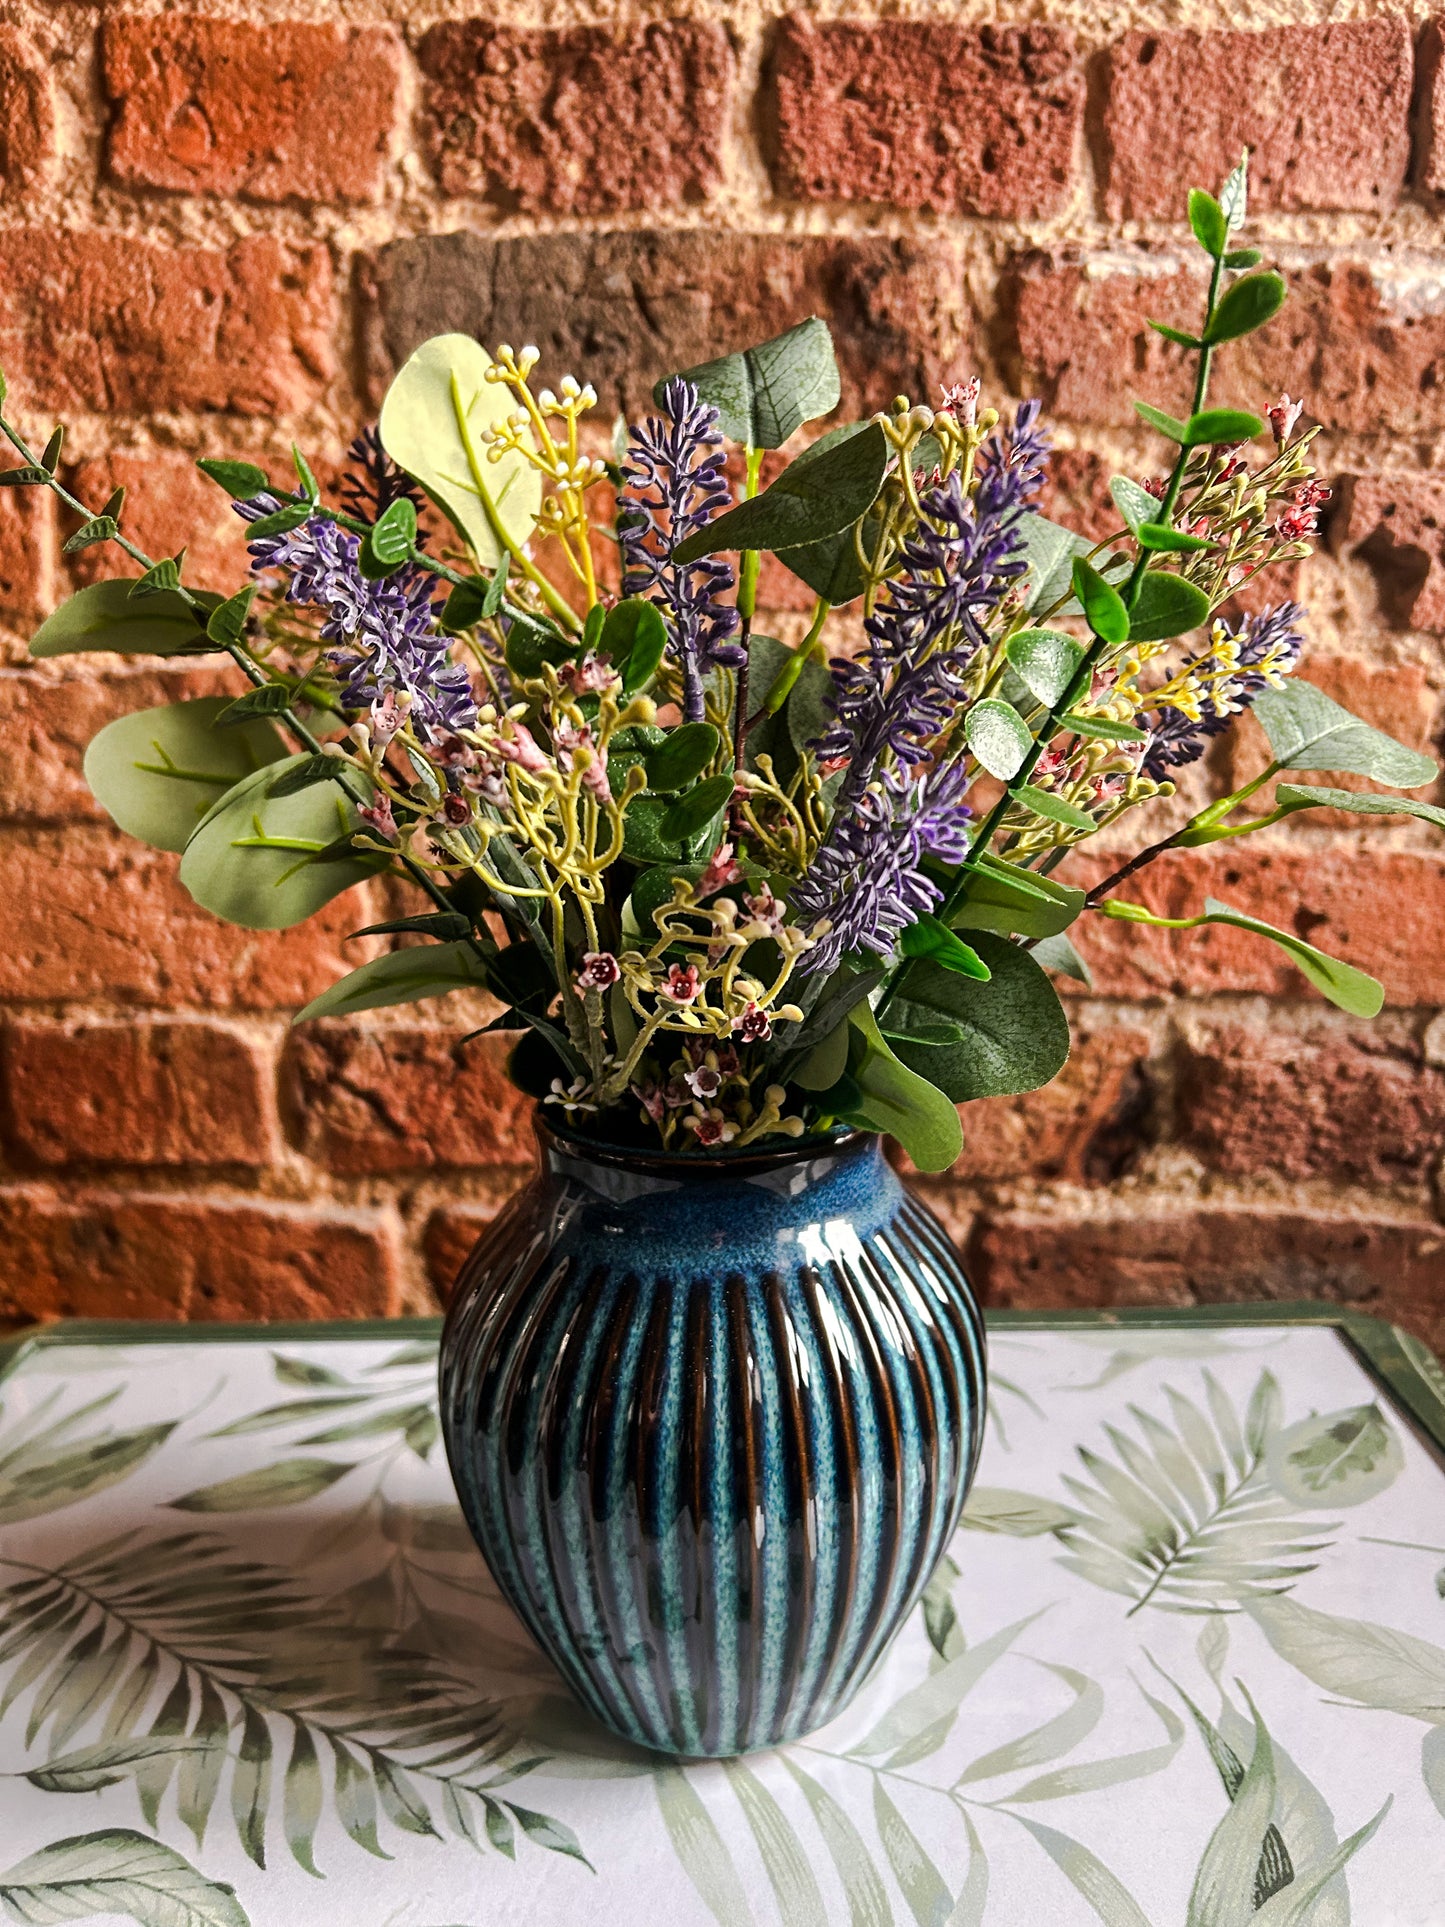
(1048,1740)
(800,1904)
(1133,501)
(764,394)
(922,1884)
(701,1849)
(302,1803)
(117,1871)
(1016,902)
(1020,1515)
(867,1897)
(158,771)
(1224,1885)
(433,421)
(89,1768)
(105,616)
(1302,796)
(1336,1458)
(973,1900)
(1109,1899)
(1058,955)
(280,1483)
(1046,661)
(40,1479)
(1432,1766)
(1089,1776)
(1307,730)
(939,1694)
(1357,1660)
(998,737)
(251,1785)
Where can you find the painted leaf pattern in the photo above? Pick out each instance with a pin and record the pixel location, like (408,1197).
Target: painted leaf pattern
(241,1616)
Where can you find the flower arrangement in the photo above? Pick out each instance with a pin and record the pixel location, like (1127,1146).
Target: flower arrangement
(725,892)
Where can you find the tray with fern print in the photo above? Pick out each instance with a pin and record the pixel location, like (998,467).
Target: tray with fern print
(1184,1662)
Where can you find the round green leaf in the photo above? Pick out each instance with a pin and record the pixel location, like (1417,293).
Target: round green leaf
(1336,1458)
(683,755)
(432,423)
(998,736)
(105,616)
(1046,659)
(692,813)
(1247,306)
(634,639)
(1134,502)
(1218,426)
(158,771)
(1166,606)
(271,884)
(1016,1034)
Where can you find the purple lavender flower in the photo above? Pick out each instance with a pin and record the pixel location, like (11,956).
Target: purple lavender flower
(674,484)
(1270,640)
(387,631)
(868,879)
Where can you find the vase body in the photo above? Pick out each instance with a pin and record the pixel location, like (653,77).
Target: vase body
(712,1422)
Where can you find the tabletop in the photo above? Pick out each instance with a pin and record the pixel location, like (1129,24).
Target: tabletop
(1183,1663)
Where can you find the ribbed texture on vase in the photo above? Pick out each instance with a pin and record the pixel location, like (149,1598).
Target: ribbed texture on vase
(713,1483)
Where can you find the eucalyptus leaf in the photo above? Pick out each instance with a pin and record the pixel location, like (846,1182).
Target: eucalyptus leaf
(1298,796)
(998,737)
(1015,1034)
(815,496)
(1133,501)
(1222,426)
(1017,902)
(1166,606)
(251,860)
(1053,809)
(158,771)
(634,640)
(1308,730)
(1047,660)
(691,814)
(1051,551)
(432,423)
(1058,955)
(1248,305)
(897,1100)
(764,394)
(104,616)
(682,756)
(400,977)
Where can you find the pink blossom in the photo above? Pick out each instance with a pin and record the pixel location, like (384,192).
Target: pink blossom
(682,983)
(830,765)
(649,1096)
(1155,488)
(380,818)
(710,1128)
(454,753)
(704,1081)
(589,677)
(1282,416)
(457,811)
(519,746)
(721,870)
(766,910)
(753,1027)
(600,970)
(960,400)
(387,717)
(1234,464)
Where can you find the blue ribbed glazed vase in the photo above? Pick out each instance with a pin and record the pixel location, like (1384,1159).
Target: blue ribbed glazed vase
(712,1420)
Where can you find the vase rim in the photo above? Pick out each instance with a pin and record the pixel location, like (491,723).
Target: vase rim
(724,1163)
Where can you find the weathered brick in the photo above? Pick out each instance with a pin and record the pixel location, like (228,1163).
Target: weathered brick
(1396,523)
(405,1097)
(1324,112)
(276,111)
(1203,1255)
(926,114)
(48,716)
(1379,910)
(621,309)
(170,505)
(95,915)
(450,1233)
(161,1256)
(586,120)
(1430,95)
(106,323)
(27,115)
(1364,342)
(136,1093)
(1322,1099)
(27,557)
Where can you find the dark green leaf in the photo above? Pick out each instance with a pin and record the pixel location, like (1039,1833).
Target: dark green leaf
(444,924)
(1156,536)
(1015,1035)
(306,771)
(692,812)
(114,505)
(764,394)
(370,564)
(497,586)
(1243,258)
(1103,607)
(1216,426)
(531,642)
(394,534)
(931,938)
(302,1798)
(1004,898)
(228,622)
(634,640)
(280,522)
(1052,808)
(50,460)
(282,1482)
(1168,425)
(1166,606)
(1307,730)
(815,496)
(466,606)
(997,736)
(831,567)
(1047,661)
(1176,335)
(1207,218)
(268,699)
(647,840)
(30,475)
(240,480)
(1104,727)
(682,756)
(1248,305)
(158,771)
(303,472)
(159,579)
(117,1872)
(100,528)
(547,1832)
(251,1785)
(400,977)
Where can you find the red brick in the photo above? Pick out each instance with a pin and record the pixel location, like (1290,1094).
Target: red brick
(583,121)
(623,308)
(1325,1099)
(1396,522)
(198,1258)
(1430,151)
(1324,112)
(1381,910)
(923,114)
(142,1094)
(110,324)
(1202,1255)
(451,1231)
(1076,492)
(27,557)
(93,916)
(274,111)
(1366,349)
(47,719)
(405,1098)
(169,506)
(27,115)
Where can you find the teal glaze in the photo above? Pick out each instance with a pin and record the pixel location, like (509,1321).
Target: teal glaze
(712,1421)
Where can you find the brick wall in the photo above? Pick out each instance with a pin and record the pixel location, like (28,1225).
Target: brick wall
(220,232)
